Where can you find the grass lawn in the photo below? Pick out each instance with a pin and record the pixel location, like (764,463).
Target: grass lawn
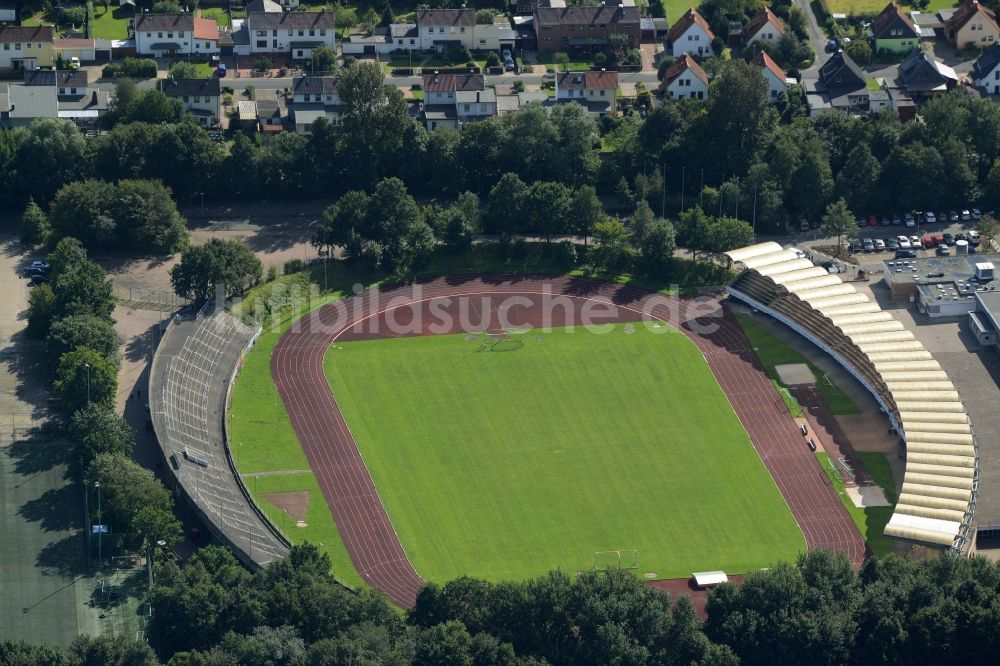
(202,68)
(876,6)
(871,521)
(262,435)
(506,465)
(109,23)
(675,9)
(772,351)
(220,15)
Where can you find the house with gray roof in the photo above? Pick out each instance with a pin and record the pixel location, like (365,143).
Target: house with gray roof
(985,73)
(203,97)
(292,33)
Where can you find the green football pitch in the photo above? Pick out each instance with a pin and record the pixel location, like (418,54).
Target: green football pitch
(507,464)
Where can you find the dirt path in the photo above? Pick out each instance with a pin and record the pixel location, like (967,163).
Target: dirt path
(297,369)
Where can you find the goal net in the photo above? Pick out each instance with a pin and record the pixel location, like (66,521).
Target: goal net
(616,559)
(501,339)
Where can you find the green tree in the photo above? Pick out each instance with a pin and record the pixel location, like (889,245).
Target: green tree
(84,377)
(988,227)
(694,230)
(506,209)
(858,180)
(860,51)
(727,233)
(838,221)
(182,69)
(323,60)
(575,156)
(345,224)
(146,217)
(41,306)
(95,429)
(35,227)
(811,184)
(462,223)
(81,210)
(740,118)
(127,489)
(586,211)
(610,245)
(153,524)
(78,330)
(226,265)
(417,248)
(49,154)
(83,288)
(112,651)
(548,205)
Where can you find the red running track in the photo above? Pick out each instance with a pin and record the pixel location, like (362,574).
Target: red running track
(470,304)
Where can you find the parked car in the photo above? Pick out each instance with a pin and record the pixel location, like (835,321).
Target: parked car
(909,220)
(803,224)
(74,63)
(220,71)
(892,244)
(897,220)
(42,266)
(930,217)
(974,237)
(832,46)
(508,60)
(953,216)
(977,214)
(879,245)
(886,220)
(904,242)
(928,242)
(31,271)
(961,236)
(872,220)
(965,215)
(943,251)
(942,217)
(38,279)
(915,242)
(856,246)
(906,254)
(868,244)
(862,222)
(948,239)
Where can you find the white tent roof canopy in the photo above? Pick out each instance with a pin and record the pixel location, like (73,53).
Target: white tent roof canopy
(942,463)
(708,578)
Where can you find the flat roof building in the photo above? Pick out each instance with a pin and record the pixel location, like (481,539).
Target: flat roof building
(943,286)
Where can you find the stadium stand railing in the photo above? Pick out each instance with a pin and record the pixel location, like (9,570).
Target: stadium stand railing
(187,406)
(936,506)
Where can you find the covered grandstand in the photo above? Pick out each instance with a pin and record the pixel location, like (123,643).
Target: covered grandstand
(937,504)
(189,379)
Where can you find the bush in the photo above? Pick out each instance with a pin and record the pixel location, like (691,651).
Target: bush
(457,53)
(492,59)
(74,16)
(132,68)
(183,69)
(293,266)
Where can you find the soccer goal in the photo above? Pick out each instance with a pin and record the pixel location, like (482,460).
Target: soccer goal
(616,559)
(501,339)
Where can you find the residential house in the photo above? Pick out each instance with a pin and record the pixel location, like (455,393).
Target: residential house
(162,35)
(986,72)
(203,97)
(8,11)
(315,97)
(25,47)
(437,29)
(84,49)
(923,76)
(292,33)
(972,25)
(456,100)
(47,93)
(690,34)
(841,85)
(509,101)
(894,31)
(404,36)
(263,7)
(585,28)
(685,79)
(269,120)
(360,43)
(653,29)
(764,26)
(594,90)
(777,82)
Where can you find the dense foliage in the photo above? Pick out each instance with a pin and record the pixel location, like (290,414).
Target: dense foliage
(817,611)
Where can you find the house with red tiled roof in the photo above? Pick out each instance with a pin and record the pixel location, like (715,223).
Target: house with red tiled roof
(894,31)
(777,82)
(162,35)
(594,90)
(972,25)
(765,26)
(685,79)
(690,34)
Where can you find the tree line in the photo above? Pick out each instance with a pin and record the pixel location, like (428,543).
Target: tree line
(736,154)
(72,314)
(211,610)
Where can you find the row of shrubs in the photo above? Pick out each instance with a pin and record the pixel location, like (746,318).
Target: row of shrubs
(132,68)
